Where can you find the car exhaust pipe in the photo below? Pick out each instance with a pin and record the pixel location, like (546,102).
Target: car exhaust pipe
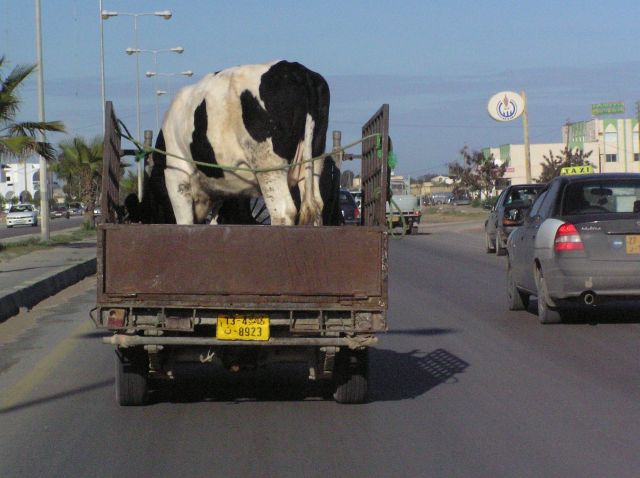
(589,298)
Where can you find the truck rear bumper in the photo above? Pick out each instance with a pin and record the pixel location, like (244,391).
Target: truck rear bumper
(358,341)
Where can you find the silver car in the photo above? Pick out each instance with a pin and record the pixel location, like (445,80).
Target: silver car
(578,247)
(22,214)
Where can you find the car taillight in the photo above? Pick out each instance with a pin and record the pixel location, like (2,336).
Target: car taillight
(568,239)
(356,213)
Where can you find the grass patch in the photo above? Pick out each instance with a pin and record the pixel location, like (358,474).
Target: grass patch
(448,213)
(14,249)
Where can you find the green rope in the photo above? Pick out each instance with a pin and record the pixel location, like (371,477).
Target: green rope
(147,150)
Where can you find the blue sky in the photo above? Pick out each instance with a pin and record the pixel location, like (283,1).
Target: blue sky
(435,63)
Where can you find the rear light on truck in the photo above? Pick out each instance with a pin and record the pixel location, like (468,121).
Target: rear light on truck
(356,213)
(568,239)
(116,318)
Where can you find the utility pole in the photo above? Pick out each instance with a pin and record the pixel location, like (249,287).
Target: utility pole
(44,177)
(527,150)
(638,117)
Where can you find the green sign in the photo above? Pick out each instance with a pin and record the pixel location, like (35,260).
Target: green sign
(607,108)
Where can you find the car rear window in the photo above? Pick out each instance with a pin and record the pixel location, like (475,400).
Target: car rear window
(524,195)
(610,196)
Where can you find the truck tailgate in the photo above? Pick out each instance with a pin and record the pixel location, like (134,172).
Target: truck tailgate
(210,265)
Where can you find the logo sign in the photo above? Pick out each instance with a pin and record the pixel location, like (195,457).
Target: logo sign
(571,170)
(505,106)
(607,108)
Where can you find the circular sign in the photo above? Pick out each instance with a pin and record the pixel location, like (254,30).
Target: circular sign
(505,106)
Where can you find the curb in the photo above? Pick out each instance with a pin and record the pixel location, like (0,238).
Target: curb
(36,292)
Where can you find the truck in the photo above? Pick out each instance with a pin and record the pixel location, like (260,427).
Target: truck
(403,209)
(243,296)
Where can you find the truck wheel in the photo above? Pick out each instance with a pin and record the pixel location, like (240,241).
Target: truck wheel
(351,376)
(132,381)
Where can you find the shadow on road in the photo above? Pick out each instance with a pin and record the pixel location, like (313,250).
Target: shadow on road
(423,332)
(401,376)
(614,312)
(56,396)
(394,376)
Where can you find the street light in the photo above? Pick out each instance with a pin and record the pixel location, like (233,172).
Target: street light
(178,49)
(105,15)
(150,74)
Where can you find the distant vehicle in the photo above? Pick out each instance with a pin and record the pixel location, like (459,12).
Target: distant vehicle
(76,209)
(349,208)
(507,214)
(440,198)
(59,211)
(404,208)
(579,245)
(22,214)
(463,200)
(357,197)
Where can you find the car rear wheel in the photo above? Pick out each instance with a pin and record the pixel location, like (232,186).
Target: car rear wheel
(546,313)
(489,244)
(500,251)
(517,300)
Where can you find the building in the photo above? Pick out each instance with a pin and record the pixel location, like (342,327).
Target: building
(19,176)
(13,180)
(613,144)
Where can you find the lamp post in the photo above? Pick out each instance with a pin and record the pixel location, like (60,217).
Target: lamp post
(105,15)
(150,74)
(131,51)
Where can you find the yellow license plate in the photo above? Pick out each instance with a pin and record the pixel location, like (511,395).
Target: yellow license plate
(240,327)
(633,244)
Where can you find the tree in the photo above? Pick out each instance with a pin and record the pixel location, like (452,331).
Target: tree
(128,184)
(80,165)
(18,139)
(477,173)
(553,164)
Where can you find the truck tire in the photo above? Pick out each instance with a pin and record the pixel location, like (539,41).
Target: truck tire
(351,378)
(132,377)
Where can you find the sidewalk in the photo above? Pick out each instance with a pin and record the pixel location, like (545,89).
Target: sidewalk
(31,278)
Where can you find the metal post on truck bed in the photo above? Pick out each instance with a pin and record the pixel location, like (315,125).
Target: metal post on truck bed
(375,168)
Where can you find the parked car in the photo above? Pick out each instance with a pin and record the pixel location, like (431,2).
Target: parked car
(507,214)
(579,245)
(22,214)
(462,200)
(59,211)
(357,197)
(349,208)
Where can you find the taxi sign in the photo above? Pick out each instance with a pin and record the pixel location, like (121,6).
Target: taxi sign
(571,170)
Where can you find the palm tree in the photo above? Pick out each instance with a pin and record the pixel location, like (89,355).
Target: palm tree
(80,165)
(18,139)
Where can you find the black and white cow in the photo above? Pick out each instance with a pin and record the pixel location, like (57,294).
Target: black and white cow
(254,117)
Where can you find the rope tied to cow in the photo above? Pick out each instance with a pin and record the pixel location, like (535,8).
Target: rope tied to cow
(144,150)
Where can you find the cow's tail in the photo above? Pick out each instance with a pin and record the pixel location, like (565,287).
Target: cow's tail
(311,200)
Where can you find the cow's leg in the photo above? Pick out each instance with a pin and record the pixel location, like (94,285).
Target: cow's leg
(277,197)
(179,190)
(311,200)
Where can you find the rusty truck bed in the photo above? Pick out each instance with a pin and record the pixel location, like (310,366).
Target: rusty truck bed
(247,266)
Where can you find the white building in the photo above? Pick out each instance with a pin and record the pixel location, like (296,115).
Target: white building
(13,182)
(18,176)
(613,144)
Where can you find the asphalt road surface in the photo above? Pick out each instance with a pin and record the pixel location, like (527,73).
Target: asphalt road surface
(56,224)
(460,387)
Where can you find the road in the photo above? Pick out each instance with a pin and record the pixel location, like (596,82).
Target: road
(461,387)
(57,224)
